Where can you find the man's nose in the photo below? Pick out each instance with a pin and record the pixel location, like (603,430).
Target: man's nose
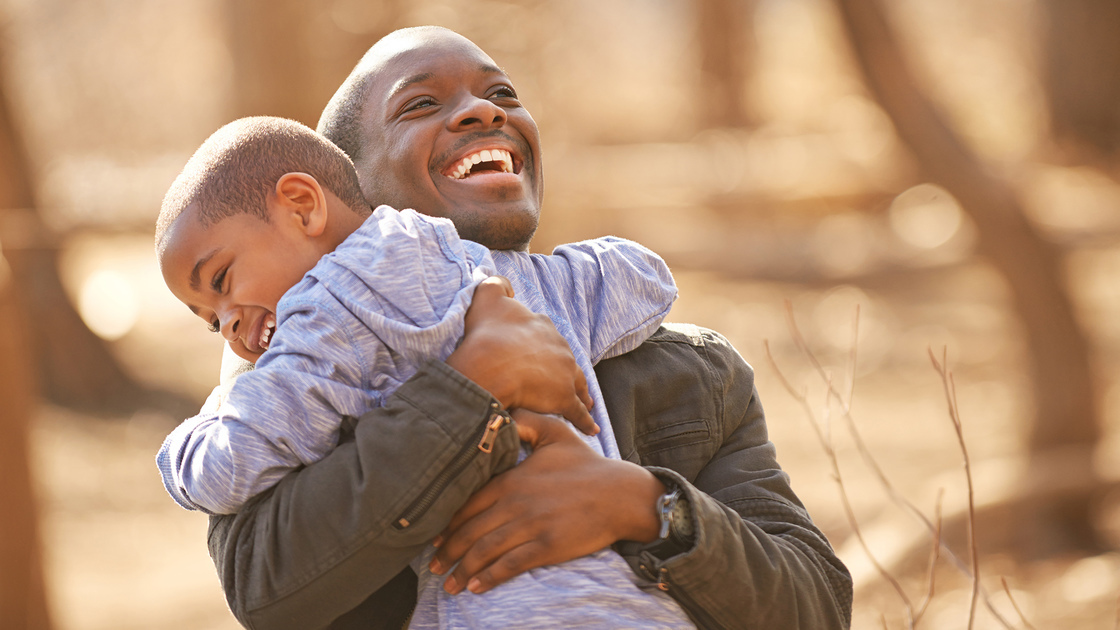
(477,113)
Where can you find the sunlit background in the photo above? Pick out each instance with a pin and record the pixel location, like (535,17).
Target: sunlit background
(738,139)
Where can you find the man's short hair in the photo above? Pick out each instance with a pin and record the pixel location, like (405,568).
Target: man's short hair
(235,170)
(341,120)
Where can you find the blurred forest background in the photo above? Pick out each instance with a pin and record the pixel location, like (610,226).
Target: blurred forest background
(949,166)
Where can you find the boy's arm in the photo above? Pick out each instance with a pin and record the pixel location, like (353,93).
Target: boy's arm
(621,292)
(273,419)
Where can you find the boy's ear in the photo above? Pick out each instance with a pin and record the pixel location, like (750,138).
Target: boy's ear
(302,201)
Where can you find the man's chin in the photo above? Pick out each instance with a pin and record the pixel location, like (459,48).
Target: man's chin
(510,229)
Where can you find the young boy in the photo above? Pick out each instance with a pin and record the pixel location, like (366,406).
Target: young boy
(266,236)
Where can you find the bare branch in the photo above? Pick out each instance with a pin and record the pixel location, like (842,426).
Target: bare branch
(954,415)
(1014,605)
(826,445)
(934,555)
(869,459)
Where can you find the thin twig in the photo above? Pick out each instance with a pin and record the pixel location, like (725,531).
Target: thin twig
(954,415)
(934,554)
(873,464)
(830,453)
(1116,626)
(1014,605)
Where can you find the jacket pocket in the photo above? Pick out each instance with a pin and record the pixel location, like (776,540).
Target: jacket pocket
(683,445)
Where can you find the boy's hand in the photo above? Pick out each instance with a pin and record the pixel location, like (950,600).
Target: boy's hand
(564,501)
(519,358)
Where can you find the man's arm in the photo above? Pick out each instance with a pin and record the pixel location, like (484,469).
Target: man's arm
(776,568)
(684,405)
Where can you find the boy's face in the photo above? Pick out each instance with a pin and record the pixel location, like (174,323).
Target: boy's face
(437,103)
(233,273)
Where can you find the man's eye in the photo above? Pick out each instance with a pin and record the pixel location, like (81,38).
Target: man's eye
(419,103)
(214,327)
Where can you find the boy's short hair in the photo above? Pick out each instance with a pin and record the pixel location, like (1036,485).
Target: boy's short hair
(237,167)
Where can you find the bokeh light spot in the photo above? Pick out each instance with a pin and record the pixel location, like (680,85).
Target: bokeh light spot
(925,216)
(108,305)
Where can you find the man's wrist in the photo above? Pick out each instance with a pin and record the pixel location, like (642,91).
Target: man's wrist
(642,491)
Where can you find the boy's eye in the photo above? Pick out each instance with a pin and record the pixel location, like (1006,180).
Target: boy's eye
(214,327)
(216,282)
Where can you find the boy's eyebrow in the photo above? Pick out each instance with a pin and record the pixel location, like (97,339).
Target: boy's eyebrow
(196,273)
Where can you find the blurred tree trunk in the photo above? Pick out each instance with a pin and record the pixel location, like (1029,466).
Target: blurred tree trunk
(23,602)
(1082,76)
(74,366)
(289,56)
(726,50)
(1061,376)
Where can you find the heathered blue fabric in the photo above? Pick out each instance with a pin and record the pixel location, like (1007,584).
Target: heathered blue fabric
(391,296)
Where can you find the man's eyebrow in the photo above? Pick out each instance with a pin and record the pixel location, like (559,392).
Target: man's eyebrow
(196,273)
(485,68)
(403,83)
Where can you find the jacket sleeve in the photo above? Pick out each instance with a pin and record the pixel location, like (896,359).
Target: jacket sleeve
(284,563)
(758,561)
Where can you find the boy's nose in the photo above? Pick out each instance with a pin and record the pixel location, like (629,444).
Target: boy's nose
(230,323)
(478,113)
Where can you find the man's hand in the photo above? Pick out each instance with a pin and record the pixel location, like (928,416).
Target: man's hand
(519,358)
(564,501)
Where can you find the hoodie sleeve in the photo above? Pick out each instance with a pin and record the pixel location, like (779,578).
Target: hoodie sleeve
(622,292)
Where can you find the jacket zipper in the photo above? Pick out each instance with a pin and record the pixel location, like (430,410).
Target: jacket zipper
(660,575)
(482,439)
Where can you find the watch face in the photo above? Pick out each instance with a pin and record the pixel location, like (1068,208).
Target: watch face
(682,519)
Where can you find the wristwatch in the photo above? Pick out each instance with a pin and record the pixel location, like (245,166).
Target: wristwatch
(676,534)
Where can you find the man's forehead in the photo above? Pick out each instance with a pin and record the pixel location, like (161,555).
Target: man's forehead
(410,60)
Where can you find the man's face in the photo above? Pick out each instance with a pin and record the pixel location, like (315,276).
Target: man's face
(445,134)
(233,273)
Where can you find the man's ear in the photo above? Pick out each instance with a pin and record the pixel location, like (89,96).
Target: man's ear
(302,201)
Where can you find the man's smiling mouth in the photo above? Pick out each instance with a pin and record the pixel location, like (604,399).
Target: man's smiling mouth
(487,160)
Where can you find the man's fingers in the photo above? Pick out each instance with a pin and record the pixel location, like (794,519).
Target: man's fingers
(582,391)
(581,419)
(479,502)
(476,543)
(492,548)
(509,565)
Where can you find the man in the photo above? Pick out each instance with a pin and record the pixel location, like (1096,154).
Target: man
(330,543)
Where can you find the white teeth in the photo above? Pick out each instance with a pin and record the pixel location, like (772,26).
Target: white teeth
(266,331)
(500,156)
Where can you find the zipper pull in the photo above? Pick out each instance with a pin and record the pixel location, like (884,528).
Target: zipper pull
(486,444)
